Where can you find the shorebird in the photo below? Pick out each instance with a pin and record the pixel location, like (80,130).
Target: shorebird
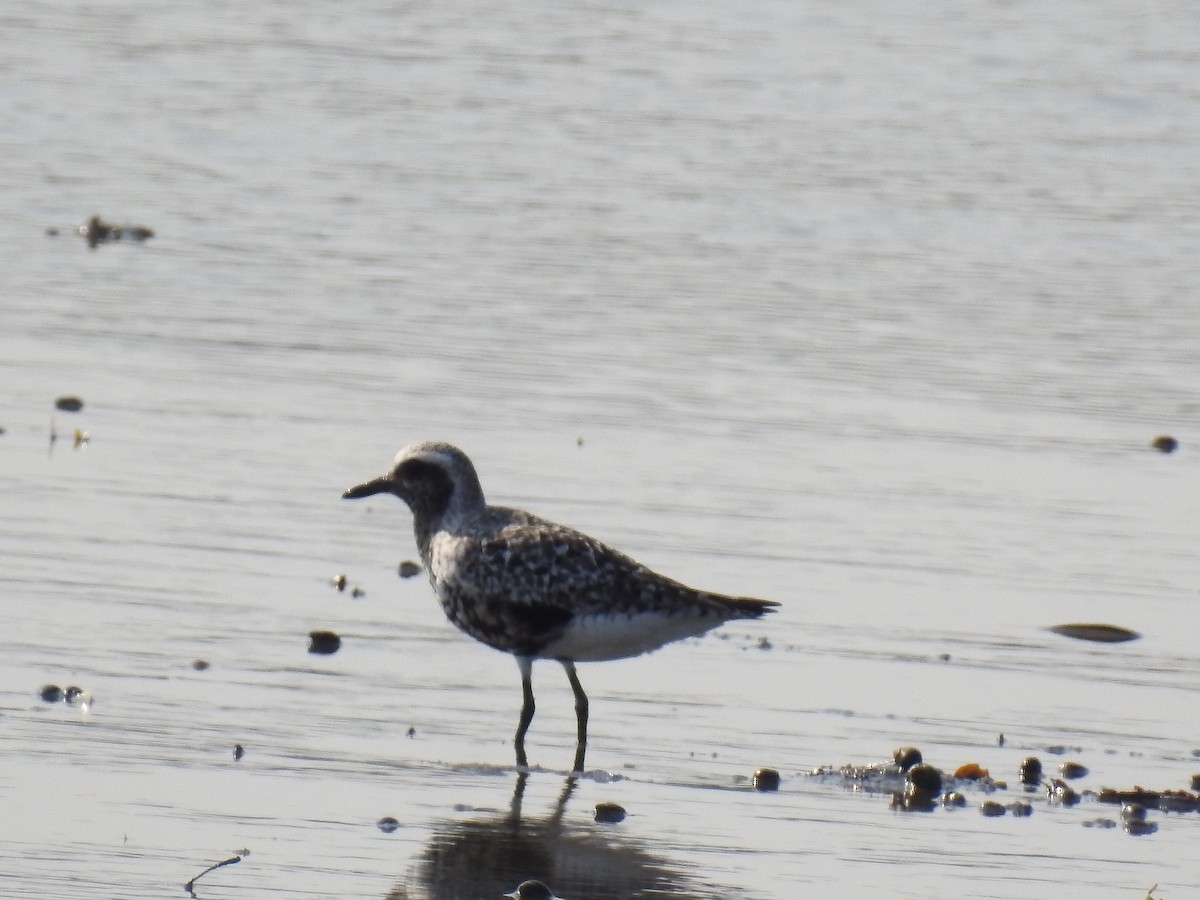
(535,589)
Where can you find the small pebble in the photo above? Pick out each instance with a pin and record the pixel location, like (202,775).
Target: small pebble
(925,779)
(1133,812)
(412,732)
(408,569)
(339,582)
(1196,782)
(764,643)
(323,642)
(922,788)
(954,799)
(992,808)
(72,693)
(1140,828)
(765,780)
(199,664)
(1072,770)
(906,757)
(1164,443)
(1020,809)
(1060,792)
(387,824)
(357,592)
(52,693)
(609,813)
(68,404)
(238,752)
(1031,771)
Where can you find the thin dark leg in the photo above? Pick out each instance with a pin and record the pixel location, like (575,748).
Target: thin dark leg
(581,713)
(527,708)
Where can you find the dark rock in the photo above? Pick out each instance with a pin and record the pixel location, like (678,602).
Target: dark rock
(906,757)
(323,642)
(1072,770)
(609,813)
(68,404)
(1164,443)
(766,780)
(1031,770)
(52,693)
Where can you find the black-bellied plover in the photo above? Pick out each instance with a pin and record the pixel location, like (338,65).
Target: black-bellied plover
(535,589)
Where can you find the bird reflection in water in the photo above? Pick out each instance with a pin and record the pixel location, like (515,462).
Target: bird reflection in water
(486,856)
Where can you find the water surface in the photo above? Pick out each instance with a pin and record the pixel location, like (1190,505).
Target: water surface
(873,311)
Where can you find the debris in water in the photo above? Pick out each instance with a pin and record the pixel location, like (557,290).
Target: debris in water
(96,231)
(1164,443)
(1072,770)
(52,693)
(238,752)
(68,404)
(1062,793)
(408,569)
(1103,634)
(340,582)
(200,665)
(323,642)
(906,757)
(1031,771)
(766,780)
(225,862)
(971,772)
(387,824)
(609,813)
(992,808)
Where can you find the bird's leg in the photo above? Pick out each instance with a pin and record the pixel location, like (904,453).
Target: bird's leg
(581,713)
(527,707)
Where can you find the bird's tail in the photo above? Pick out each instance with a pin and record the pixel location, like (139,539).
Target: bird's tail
(748,607)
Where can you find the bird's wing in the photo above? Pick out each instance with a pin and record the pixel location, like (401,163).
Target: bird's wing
(535,562)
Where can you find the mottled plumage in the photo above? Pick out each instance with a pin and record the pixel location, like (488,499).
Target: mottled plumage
(535,589)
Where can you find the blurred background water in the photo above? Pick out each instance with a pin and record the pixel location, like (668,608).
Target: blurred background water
(873,310)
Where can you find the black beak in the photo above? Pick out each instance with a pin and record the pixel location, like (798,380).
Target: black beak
(381,485)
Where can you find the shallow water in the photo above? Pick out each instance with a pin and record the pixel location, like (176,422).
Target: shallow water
(872,311)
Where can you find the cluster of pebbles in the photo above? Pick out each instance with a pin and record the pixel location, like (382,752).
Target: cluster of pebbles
(915,786)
